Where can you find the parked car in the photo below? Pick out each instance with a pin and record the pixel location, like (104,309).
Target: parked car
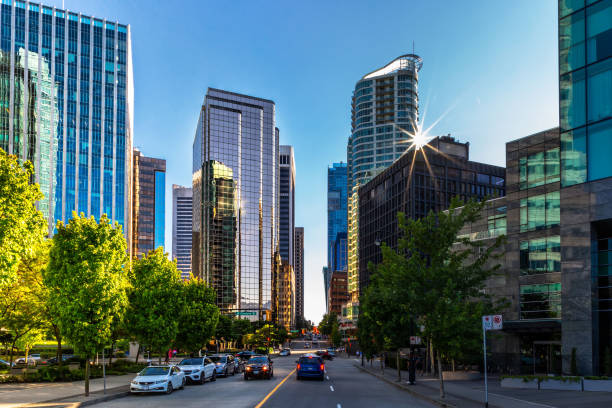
(21,362)
(158,379)
(53,360)
(310,366)
(324,354)
(224,364)
(198,369)
(285,352)
(4,364)
(239,364)
(259,367)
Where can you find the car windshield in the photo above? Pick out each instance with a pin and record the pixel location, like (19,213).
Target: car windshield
(258,360)
(218,359)
(154,371)
(192,361)
(309,360)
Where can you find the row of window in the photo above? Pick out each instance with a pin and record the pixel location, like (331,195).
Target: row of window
(540,301)
(539,169)
(540,212)
(540,255)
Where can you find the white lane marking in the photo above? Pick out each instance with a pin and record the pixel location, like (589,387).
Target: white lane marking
(328,378)
(331,387)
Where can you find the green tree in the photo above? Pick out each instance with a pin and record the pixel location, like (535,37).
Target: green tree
(22,226)
(155,301)
(327,323)
(87,279)
(241,327)
(199,317)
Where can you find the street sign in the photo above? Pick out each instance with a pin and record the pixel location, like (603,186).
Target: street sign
(415,340)
(246,313)
(492,322)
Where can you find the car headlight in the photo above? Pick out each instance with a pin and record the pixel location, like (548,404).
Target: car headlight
(219,364)
(161,381)
(134,382)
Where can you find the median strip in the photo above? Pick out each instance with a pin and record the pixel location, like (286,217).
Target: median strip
(263,401)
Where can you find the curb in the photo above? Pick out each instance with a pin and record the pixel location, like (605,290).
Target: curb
(438,402)
(122,391)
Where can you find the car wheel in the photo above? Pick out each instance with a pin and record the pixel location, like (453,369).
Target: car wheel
(299,378)
(169,388)
(183,383)
(214,376)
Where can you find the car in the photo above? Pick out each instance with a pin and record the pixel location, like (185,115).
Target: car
(239,364)
(258,367)
(245,355)
(306,345)
(224,364)
(4,364)
(198,369)
(331,351)
(53,360)
(285,352)
(324,354)
(315,343)
(310,366)
(21,362)
(158,378)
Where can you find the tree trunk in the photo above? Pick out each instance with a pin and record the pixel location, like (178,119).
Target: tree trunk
(160,355)
(87,376)
(110,356)
(138,354)
(432,360)
(58,337)
(442,394)
(453,363)
(397,361)
(12,348)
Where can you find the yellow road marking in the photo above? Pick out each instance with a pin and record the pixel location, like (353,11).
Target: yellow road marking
(263,401)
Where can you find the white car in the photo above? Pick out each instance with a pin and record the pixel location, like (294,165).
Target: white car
(198,369)
(158,379)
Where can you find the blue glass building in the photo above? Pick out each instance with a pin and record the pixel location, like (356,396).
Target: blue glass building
(67,105)
(336,206)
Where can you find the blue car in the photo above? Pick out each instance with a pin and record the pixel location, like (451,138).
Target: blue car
(310,366)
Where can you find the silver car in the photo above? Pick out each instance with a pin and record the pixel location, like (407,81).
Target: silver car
(224,364)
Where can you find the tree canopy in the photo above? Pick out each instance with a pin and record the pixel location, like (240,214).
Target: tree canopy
(198,317)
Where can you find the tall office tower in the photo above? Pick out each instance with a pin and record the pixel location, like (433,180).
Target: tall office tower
(148,204)
(326,280)
(385,101)
(182,222)
(299,273)
(286,216)
(67,98)
(336,206)
(235,200)
(585,119)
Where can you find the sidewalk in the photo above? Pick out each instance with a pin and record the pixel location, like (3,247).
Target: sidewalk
(470,394)
(69,393)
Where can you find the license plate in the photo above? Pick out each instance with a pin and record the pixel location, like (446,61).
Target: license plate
(310,368)
(256,372)
(145,387)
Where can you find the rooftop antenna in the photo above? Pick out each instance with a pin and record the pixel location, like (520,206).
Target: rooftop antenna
(412,45)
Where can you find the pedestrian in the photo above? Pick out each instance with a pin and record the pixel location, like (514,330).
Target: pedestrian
(419,365)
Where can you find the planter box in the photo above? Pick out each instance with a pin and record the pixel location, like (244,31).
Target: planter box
(519,383)
(561,385)
(461,375)
(598,385)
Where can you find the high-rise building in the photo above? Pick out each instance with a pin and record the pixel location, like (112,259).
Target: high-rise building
(336,206)
(148,204)
(286,216)
(338,293)
(284,295)
(326,280)
(67,97)
(182,226)
(299,273)
(339,252)
(384,103)
(235,201)
(585,119)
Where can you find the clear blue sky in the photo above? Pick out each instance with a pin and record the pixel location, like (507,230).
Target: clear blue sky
(495,62)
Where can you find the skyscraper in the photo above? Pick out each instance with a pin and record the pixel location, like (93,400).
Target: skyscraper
(235,196)
(385,101)
(182,225)
(68,106)
(336,206)
(299,273)
(148,204)
(286,216)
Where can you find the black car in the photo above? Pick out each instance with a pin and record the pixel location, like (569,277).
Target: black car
(258,367)
(245,355)
(53,360)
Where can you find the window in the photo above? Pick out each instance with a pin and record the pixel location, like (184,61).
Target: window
(572,100)
(600,145)
(541,301)
(599,31)
(600,90)
(539,169)
(540,212)
(571,42)
(573,157)
(541,255)
(497,222)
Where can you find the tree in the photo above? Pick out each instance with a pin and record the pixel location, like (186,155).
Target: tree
(155,301)
(21,224)
(240,327)
(87,278)
(199,317)
(327,323)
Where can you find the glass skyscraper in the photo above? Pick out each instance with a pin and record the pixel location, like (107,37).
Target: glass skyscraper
(67,105)
(182,227)
(236,200)
(384,101)
(336,207)
(287,204)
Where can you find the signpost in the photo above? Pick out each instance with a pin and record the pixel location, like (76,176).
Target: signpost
(490,322)
(246,313)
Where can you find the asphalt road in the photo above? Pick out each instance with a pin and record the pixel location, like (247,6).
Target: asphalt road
(345,386)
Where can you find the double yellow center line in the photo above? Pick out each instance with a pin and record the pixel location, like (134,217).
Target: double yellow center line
(263,401)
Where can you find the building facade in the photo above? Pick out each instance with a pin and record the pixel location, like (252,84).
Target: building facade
(235,201)
(299,273)
(182,227)
(585,119)
(420,181)
(286,216)
(148,204)
(326,281)
(284,296)
(384,103)
(337,293)
(339,252)
(67,93)
(336,207)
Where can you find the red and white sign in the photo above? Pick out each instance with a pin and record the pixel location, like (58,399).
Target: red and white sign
(492,322)
(415,340)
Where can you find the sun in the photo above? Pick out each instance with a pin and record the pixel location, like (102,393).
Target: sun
(417,139)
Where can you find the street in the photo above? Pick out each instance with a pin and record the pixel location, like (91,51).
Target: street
(345,386)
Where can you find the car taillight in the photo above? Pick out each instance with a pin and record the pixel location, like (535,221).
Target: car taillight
(322,367)
(298,367)
(265,368)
